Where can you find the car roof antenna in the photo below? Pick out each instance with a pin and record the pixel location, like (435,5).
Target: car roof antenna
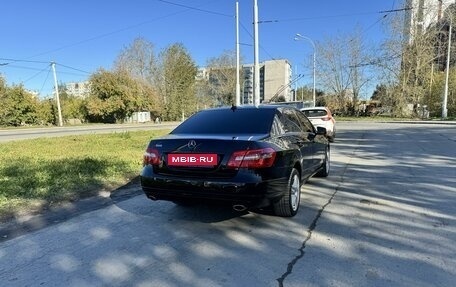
(233,107)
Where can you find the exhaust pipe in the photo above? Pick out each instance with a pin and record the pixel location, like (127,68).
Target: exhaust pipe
(239,207)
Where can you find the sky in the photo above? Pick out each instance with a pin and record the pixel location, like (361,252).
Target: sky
(86,35)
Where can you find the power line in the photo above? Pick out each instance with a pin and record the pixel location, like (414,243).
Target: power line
(45,80)
(196,9)
(100,36)
(332,16)
(40,62)
(396,10)
(251,36)
(82,71)
(16,60)
(25,68)
(34,75)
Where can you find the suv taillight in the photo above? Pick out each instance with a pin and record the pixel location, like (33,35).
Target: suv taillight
(258,158)
(326,118)
(151,156)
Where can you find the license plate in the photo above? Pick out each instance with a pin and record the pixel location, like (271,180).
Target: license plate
(180,159)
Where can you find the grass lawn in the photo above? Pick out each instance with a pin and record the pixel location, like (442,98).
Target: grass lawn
(41,172)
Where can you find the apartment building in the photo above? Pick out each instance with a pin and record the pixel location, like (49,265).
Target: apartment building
(420,14)
(275,81)
(78,89)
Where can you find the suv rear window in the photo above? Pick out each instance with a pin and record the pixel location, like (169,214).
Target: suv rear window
(315,113)
(227,121)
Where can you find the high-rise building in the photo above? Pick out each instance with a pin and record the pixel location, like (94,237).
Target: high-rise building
(420,14)
(275,81)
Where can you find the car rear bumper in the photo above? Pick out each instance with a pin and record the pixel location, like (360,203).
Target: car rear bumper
(249,191)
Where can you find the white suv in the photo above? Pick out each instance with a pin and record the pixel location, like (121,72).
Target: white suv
(322,117)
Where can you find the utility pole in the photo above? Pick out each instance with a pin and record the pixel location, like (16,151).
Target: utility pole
(445,94)
(57,99)
(256,72)
(238,86)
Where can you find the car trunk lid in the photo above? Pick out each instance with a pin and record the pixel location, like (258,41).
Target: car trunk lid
(196,156)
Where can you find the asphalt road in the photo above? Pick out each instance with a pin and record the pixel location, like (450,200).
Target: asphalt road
(30,133)
(386,216)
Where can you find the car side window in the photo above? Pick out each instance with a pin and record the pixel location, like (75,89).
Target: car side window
(277,127)
(290,121)
(306,124)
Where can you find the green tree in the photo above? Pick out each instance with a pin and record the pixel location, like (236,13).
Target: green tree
(178,72)
(2,86)
(116,95)
(19,107)
(72,107)
(47,112)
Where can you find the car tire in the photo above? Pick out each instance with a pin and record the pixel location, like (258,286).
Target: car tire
(325,167)
(288,205)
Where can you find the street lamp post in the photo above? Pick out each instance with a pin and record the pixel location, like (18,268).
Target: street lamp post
(297,38)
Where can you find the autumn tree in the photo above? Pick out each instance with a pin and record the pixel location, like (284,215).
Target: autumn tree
(410,62)
(343,64)
(139,61)
(222,78)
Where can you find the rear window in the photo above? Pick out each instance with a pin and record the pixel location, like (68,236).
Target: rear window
(315,113)
(226,121)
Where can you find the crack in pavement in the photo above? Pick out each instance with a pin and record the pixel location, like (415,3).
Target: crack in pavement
(303,246)
(312,226)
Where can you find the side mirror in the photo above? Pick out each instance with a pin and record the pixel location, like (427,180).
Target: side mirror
(321,131)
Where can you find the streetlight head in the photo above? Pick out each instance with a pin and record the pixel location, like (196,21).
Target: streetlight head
(298,35)
(296,39)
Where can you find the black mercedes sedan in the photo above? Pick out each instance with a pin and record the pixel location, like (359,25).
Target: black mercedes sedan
(247,157)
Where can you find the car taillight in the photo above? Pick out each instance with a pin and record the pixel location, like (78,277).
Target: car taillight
(326,118)
(258,158)
(151,156)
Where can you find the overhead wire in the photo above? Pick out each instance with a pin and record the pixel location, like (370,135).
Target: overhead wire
(42,62)
(32,77)
(9,61)
(380,59)
(196,8)
(331,16)
(68,67)
(187,8)
(45,80)
(259,45)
